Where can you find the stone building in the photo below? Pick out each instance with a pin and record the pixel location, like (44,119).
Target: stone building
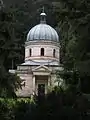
(42,53)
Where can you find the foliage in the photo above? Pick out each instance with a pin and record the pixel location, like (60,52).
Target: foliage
(9,83)
(10,109)
(8,50)
(60,104)
(73,24)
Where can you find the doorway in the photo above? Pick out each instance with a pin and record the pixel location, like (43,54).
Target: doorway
(41,89)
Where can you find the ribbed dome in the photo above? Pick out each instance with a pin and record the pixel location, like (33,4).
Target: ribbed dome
(42,31)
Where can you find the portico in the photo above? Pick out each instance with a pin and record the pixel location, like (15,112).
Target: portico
(41,77)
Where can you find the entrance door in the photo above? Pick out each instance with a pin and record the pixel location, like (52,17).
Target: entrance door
(41,89)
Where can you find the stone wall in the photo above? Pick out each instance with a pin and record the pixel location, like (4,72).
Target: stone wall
(36,51)
(27,88)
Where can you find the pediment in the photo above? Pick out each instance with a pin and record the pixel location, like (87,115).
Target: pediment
(41,69)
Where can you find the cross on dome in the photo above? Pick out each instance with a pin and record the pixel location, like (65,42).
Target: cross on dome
(43,17)
(43,9)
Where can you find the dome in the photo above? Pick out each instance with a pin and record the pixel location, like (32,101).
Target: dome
(42,31)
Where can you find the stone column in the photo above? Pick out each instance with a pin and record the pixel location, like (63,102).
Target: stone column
(34,83)
(49,80)
(49,83)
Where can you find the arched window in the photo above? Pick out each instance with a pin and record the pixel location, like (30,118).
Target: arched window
(54,52)
(42,51)
(30,52)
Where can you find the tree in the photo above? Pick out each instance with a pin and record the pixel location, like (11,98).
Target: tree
(73,23)
(8,82)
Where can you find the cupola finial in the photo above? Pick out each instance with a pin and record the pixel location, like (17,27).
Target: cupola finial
(43,9)
(43,16)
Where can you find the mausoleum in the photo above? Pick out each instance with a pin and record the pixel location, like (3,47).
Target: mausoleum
(42,54)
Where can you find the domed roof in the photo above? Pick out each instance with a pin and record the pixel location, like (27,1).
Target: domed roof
(42,31)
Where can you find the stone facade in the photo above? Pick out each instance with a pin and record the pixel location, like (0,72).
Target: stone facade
(33,76)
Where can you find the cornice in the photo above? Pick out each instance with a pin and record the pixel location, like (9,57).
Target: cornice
(42,42)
